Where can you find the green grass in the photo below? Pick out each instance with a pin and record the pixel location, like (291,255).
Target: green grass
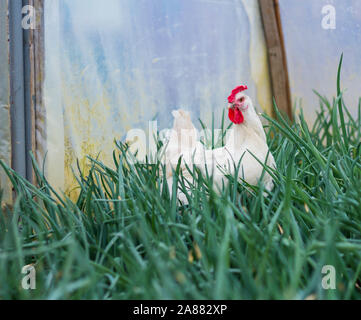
(125,238)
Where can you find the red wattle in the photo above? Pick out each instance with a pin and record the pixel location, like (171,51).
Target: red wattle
(235,115)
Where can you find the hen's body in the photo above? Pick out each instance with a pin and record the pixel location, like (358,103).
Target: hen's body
(246,148)
(240,151)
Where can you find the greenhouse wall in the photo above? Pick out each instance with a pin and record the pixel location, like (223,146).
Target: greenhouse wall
(112,68)
(314,44)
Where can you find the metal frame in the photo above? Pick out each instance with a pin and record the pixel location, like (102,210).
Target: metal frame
(26,74)
(17,88)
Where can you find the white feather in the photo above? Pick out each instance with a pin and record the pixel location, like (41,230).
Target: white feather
(247,144)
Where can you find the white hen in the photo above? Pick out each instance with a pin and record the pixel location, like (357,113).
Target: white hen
(245,142)
(182,143)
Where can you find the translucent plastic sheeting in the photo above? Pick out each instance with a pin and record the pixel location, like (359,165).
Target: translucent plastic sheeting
(314,49)
(113,66)
(5,133)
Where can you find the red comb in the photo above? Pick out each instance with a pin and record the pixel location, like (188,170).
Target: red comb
(239,89)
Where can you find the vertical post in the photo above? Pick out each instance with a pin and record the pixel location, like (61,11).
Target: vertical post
(26,74)
(17,95)
(276,54)
(28,95)
(38,130)
(5,126)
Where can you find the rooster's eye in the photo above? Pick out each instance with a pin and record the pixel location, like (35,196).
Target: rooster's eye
(242,99)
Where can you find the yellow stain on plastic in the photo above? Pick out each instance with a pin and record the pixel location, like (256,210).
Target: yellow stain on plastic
(86,133)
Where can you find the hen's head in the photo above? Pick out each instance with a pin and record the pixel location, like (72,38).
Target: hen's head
(240,105)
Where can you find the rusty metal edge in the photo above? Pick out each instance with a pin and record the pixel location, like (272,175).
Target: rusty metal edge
(39,134)
(34,87)
(272,24)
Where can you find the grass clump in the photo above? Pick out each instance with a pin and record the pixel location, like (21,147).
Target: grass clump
(126,238)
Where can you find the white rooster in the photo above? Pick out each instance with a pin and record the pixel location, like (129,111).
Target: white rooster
(245,144)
